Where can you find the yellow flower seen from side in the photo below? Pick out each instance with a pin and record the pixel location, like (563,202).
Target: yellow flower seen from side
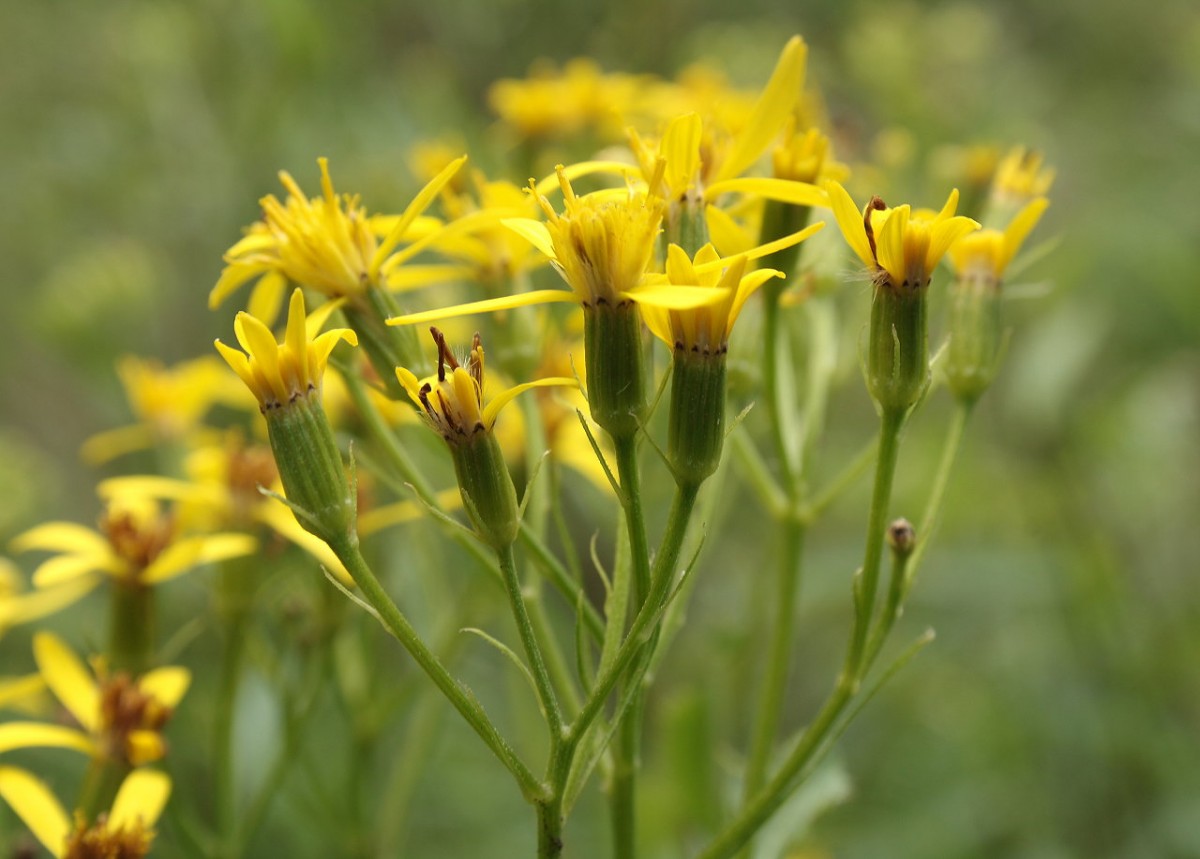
(900,247)
(279,373)
(328,243)
(120,718)
(987,254)
(125,832)
(1021,176)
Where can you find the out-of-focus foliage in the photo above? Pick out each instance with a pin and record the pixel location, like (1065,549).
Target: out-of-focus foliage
(1056,715)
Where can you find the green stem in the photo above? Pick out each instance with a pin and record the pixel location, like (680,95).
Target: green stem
(867,579)
(563,582)
(541,677)
(933,507)
(462,699)
(771,398)
(233,590)
(629,476)
(131,634)
(770,701)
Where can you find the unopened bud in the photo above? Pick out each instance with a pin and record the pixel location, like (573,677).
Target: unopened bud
(902,537)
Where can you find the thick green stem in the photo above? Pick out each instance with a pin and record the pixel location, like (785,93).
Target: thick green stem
(462,699)
(131,633)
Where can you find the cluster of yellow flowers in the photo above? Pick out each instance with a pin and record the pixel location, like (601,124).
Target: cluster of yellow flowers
(701,200)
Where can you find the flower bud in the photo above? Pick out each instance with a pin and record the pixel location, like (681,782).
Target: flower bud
(616,382)
(697,425)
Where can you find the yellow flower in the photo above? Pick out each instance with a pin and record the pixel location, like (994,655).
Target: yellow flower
(901,247)
(551,103)
(121,719)
(137,545)
(168,403)
(328,243)
(705,329)
(279,373)
(18,606)
(453,400)
(1021,176)
(987,253)
(126,832)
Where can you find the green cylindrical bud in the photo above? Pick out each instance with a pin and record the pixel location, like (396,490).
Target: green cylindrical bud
(387,346)
(684,225)
(975,336)
(898,351)
(696,431)
(487,489)
(310,466)
(616,384)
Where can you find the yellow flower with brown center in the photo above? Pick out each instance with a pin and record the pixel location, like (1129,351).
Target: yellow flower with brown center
(126,831)
(901,247)
(120,718)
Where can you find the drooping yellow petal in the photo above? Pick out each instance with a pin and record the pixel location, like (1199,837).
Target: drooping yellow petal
(507,302)
(280,519)
(140,799)
(373,521)
(38,735)
(37,807)
(167,685)
(492,409)
(190,552)
(747,286)
(783,190)
(267,297)
(67,678)
(234,275)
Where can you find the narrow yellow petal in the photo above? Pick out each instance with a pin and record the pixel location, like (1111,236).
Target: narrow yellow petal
(18,691)
(65,568)
(950,207)
(106,446)
(850,220)
(747,286)
(376,520)
(183,555)
(233,276)
(551,183)
(505,397)
(295,337)
(140,799)
(70,682)
(410,277)
(409,381)
(681,148)
(946,233)
(39,735)
(239,363)
(726,234)
(490,305)
(771,111)
(37,807)
(890,244)
(418,205)
(267,297)
(143,746)
(1020,228)
(61,537)
(671,296)
(168,684)
(535,232)
(279,518)
(783,190)
(44,602)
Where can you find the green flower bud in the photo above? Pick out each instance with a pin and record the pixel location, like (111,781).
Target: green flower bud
(616,383)
(975,330)
(898,349)
(696,431)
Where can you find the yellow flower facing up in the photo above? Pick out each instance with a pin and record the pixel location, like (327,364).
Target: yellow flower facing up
(280,373)
(120,719)
(985,255)
(706,329)
(125,832)
(138,544)
(900,247)
(453,400)
(328,243)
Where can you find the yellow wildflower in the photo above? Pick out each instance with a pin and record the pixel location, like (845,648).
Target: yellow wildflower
(901,247)
(125,832)
(120,718)
(986,254)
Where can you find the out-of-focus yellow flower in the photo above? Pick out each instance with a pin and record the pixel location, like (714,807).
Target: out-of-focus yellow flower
(121,719)
(550,103)
(804,156)
(168,402)
(125,832)
(138,545)
(901,247)
(986,254)
(278,373)
(328,243)
(1020,177)
(18,606)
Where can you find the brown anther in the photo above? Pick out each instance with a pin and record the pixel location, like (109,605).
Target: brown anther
(138,543)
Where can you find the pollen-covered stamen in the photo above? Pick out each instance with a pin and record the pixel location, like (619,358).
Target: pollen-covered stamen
(876,204)
(137,541)
(126,710)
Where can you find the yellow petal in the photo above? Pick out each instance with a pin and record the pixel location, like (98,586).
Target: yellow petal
(726,234)
(70,682)
(409,381)
(535,232)
(17,692)
(890,244)
(850,220)
(504,398)
(140,799)
(61,537)
(43,602)
(66,568)
(747,286)
(239,363)
(379,518)
(783,190)
(183,555)
(681,148)
(233,276)
(1020,228)
(551,183)
(490,305)
(167,685)
(280,518)
(946,233)
(295,337)
(418,205)
(267,297)
(144,746)
(37,807)
(671,296)
(38,735)
(410,277)
(106,446)
(771,111)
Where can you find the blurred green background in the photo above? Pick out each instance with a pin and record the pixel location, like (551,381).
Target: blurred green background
(1058,714)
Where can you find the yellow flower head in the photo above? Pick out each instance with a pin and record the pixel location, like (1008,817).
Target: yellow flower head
(803,156)
(602,244)
(453,400)
(125,832)
(279,373)
(328,243)
(1021,176)
(987,253)
(551,103)
(120,718)
(900,246)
